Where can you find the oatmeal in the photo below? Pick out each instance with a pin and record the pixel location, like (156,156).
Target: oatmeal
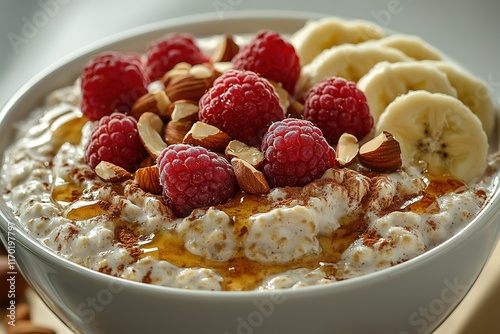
(282,218)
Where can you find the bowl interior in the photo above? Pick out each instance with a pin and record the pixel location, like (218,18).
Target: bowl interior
(66,71)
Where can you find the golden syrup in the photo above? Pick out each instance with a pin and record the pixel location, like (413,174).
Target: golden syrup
(444,184)
(65,193)
(334,245)
(436,187)
(242,207)
(65,125)
(82,210)
(68,129)
(241,273)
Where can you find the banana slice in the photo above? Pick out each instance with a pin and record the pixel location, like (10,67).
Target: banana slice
(439,130)
(325,33)
(350,61)
(386,81)
(473,92)
(412,46)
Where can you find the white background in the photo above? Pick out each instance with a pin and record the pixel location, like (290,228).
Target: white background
(33,34)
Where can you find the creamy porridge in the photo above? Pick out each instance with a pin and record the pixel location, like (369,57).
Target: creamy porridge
(351,221)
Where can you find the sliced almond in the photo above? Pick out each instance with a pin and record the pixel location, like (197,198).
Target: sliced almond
(156,102)
(184,110)
(201,71)
(251,154)
(174,132)
(225,50)
(110,172)
(150,127)
(208,136)
(382,153)
(249,179)
(347,149)
(148,178)
(222,66)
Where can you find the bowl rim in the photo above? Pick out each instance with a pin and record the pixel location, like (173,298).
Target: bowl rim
(488,214)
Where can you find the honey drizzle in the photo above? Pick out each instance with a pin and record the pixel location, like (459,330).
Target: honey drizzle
(68,196)
(82,210)
(241,273)
(436,187)
(65,192)
(65,123)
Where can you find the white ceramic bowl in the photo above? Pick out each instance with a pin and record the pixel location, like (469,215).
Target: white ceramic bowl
(412,297)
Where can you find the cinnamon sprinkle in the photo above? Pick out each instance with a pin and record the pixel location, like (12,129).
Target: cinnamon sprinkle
(370,238)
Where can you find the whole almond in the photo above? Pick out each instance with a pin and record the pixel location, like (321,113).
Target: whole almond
(174,132)
(148,179)
(181,68)
(23,311)
(190,86)
(156,102)
(382,153)
(208,136)
(22,314)
(225,50)
(249,179)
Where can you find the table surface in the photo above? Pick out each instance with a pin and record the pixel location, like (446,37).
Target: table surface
(37,33)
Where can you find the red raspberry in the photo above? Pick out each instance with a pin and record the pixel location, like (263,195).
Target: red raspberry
(194,177)
(296,153)
(242,104)
(164,53)
(116,140)
(336,105)
(269,55)
(112,81)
